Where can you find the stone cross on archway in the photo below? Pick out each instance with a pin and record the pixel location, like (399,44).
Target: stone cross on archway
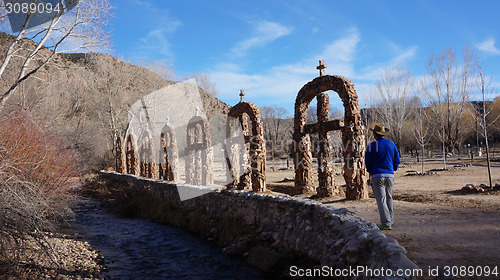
(321,67)
(352,138)
(326,174)
(254,147)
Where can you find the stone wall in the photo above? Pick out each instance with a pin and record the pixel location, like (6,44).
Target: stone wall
(270,232)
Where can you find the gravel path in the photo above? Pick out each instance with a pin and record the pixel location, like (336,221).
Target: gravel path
(57,256)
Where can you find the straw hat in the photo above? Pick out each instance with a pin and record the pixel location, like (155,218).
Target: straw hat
(379,129)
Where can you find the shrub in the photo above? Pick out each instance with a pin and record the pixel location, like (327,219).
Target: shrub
(36,168)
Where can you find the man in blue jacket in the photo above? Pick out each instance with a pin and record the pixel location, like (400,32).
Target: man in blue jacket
(381,160)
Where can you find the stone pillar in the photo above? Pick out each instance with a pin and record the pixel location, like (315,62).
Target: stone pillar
(161,170)
(231,153)
(207,154)
(144,157)
(353,139)
(120,156)
(245,182)
(258,155)
(169,155)
(326,174)
(151,157)
(190,158)
(132,156)
(199,163)
(303,164)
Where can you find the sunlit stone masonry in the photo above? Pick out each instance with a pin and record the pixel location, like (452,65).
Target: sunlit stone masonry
(253,155)
(199,150)
(132,162)
(120,156)
(353,138)
(169,156)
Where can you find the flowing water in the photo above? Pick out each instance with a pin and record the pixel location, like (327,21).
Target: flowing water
(141,249)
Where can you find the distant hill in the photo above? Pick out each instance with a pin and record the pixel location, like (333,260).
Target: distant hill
(85,97)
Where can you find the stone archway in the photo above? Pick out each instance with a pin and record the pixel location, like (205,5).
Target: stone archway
(255,142)
(168,154)
(147,155)
(353,138)
(199,150)
(132,162)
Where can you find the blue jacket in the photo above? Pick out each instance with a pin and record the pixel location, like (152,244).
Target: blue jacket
(382,158)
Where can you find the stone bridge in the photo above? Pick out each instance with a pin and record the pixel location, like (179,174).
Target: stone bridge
(273,233)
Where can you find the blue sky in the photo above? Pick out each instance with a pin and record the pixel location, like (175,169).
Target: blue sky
(271,48)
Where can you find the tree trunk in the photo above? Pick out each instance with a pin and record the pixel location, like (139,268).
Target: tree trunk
(488,161)
(423,158)
(272,156)
(485,126)
(444,155)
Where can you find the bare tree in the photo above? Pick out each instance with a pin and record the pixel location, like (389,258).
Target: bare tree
(275,128)
(482,114)
(369,114)
(163,68)
(77,26)
(311,116)
(448,88)
(203,81)
(421,130)
(110,109)
(393,90)
(494,117)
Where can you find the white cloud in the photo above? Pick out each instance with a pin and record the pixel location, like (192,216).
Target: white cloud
(340,54)
(143,3)
(228,67)
(280,84)
(265,33)
(156,41)
(284,81)
(373,72)
(488,46)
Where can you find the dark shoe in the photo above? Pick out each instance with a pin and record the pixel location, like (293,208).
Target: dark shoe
(384,227)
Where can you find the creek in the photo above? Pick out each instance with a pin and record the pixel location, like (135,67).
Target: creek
(135,248)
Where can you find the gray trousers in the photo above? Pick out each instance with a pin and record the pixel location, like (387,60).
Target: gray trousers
(382,190)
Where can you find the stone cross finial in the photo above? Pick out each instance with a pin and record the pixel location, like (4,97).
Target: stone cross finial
(321,68)
(242,95)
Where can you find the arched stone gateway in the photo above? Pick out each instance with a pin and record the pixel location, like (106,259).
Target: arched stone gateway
(169,154)
(132,162)
(120,156)
(255,141)
(353,138)
(199,160)
(147,155)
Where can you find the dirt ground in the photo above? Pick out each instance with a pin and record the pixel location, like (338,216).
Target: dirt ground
(436,224)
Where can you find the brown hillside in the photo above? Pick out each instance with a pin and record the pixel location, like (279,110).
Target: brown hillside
(85,97)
